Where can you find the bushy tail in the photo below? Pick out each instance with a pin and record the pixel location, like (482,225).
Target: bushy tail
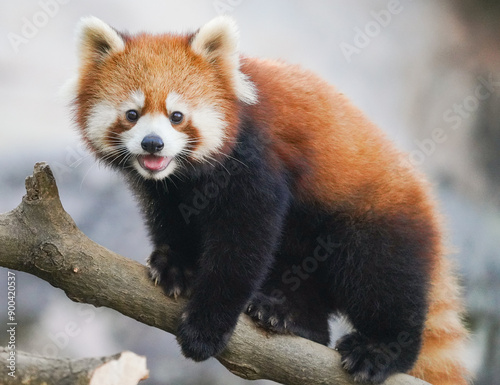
(442,358)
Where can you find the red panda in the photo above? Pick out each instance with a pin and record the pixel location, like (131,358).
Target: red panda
(266,191)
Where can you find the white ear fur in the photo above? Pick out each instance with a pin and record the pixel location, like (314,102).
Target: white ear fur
(218,39)
(68,91)
(97,40)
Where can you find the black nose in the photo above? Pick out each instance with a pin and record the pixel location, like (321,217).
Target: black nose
(152,143)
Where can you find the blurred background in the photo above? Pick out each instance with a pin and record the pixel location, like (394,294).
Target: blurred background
(427,72)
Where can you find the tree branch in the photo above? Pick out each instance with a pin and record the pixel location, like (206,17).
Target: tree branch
(125,368)
(40,238)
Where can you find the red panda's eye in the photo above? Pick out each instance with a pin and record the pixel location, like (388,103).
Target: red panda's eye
(132,115)
(176,117)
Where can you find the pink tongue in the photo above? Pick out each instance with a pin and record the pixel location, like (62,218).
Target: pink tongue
(155,163)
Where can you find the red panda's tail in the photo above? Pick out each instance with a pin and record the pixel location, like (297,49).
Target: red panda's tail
(441,360)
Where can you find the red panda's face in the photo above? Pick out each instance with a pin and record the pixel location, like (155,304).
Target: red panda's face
(153,103)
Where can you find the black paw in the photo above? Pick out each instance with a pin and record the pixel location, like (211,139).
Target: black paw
(270,313)
(200,339)
(166,268)
(367,361)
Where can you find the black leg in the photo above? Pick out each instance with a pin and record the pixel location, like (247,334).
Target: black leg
(240,230)
(381,276)
(278,309)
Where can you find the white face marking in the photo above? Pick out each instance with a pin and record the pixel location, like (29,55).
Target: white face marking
(102,116)
(209,122)
(211,126)
(135,101)
(175,102)
(156,124)
(206,118)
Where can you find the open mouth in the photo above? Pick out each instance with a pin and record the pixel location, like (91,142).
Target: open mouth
(154,163)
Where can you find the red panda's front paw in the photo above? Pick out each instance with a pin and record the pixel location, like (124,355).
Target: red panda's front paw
(270,313)
(167,270)
(199,339)
(367,361)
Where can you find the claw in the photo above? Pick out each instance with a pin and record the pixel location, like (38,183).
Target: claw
(175,292)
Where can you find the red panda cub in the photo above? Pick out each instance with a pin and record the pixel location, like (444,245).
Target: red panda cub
(265,191)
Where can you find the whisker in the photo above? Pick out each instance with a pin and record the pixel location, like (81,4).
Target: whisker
(78,162)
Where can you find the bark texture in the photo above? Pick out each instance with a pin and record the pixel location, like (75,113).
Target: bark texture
(121,369)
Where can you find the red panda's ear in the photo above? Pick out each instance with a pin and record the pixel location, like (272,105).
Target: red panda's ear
(97,40)
(218,41)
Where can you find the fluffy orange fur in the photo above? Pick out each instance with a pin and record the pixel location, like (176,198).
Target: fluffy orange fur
(310,120)
(185,72)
